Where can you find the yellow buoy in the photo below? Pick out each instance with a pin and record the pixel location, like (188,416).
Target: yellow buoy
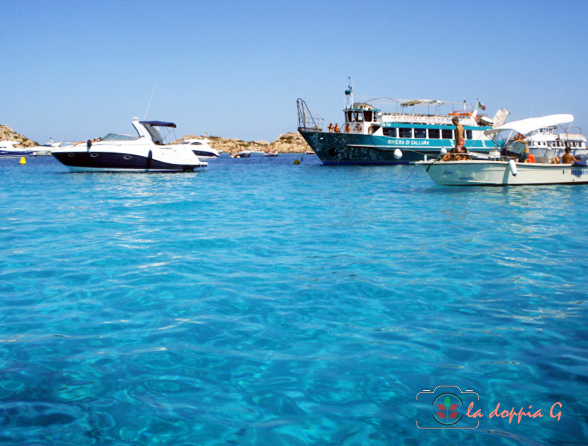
(296,162)
(22,160)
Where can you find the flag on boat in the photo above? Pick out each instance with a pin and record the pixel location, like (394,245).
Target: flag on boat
(480,105)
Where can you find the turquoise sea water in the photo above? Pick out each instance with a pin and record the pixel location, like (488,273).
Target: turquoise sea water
(267,303)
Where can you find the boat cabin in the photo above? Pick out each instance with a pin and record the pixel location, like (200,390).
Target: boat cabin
(363,118)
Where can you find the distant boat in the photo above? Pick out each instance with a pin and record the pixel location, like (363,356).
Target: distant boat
(545,143)
(7,148)
(243,154)
(201,148)
(146,152)
(271,153)
(506,170)
(48,147)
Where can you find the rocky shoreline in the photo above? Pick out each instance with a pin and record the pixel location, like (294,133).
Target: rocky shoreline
(285,143)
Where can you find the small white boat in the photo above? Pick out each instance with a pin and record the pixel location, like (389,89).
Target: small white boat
(7,148)
(503,173)
(201,148)
(271,153)
(504,170)
(242,154)
(146,152)
(48,147)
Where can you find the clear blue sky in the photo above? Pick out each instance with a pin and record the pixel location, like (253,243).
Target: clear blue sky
(74,70)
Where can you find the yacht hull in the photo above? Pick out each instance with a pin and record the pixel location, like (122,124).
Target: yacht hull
(501,173)
(13,153)
(360,149)
(84,161)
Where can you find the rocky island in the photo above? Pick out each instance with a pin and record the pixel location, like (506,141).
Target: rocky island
(7,134)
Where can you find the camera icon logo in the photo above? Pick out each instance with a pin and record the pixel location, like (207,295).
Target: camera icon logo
(446,408)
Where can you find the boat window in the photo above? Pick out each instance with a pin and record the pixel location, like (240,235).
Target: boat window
(434,134)
(447,134)
(405,133)
(350,117)
(468,134)
(368,116)
(117,137)
(359,117)
(390,132)
(196,144)
(420,133)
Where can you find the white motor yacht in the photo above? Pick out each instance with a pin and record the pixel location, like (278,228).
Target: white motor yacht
(145,152)
(201,148)
(546,143)
(7,148)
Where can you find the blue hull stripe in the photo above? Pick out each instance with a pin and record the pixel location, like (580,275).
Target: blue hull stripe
(115,161)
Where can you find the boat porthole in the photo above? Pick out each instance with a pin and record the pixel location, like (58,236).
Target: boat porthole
(93,155)
(127,157)
(71,155)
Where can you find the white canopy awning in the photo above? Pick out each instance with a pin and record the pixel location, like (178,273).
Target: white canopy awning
(421,102)
(525,126)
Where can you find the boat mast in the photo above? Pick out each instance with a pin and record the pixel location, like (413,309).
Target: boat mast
(349,95)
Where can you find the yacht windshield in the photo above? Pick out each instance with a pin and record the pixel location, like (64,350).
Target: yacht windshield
(119,137)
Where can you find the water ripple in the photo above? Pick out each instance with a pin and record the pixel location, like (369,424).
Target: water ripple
(263,302)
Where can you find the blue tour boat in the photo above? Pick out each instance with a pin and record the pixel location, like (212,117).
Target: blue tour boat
(370,136)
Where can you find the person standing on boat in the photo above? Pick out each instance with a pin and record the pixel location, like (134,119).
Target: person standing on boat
(455,153)
(459,138)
